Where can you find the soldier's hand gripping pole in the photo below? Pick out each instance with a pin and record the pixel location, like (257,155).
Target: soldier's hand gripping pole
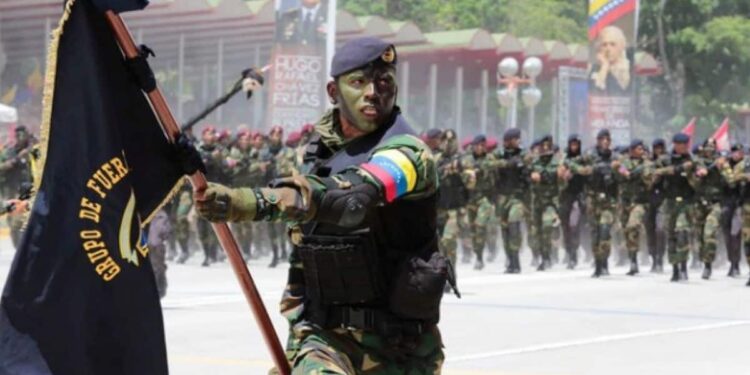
(250,80)
(198,180)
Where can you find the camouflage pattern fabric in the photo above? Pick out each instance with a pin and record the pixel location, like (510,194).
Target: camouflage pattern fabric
(707,217)
(677,213)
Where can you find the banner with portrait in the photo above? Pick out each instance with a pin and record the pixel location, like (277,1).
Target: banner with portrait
(613,28)
(299,73)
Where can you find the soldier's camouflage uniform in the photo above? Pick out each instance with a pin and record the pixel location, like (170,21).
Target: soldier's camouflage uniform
(245,172)
(182,206)
(740,176)
(213,158)
(573,211)
(512,193)
(451,204)
(345,351)
(283,164)
(544,204)
(634,196)
(678,175)
(707,208)
(480,183)
(601,193)
(15,171)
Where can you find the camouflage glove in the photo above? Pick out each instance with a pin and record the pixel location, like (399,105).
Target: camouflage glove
(221,203)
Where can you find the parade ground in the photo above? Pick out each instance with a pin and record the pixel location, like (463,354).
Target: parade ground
(553,323)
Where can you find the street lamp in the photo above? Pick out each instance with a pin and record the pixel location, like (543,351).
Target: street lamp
(508,82)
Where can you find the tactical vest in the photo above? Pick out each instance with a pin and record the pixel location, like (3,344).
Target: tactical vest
(360,265)
(602,179)
(511,180)
(634,189)
(677,185)
(577,182)
(452,193)
(711,186)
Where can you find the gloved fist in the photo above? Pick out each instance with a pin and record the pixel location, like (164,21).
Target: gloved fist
(221,203)
(187,156)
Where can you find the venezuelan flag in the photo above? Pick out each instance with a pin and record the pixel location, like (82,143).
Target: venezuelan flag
(395,172)
(603,13)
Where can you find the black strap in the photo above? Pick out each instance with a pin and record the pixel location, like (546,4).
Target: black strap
(140,69)
(374,320)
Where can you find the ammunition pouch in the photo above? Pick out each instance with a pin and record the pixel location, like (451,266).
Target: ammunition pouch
(341,270)
(373,320)
(418,288)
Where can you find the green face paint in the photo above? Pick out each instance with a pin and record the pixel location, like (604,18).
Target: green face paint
(367,96)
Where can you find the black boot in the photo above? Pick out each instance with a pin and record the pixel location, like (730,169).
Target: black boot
(597,269)
(544,264)
(605,267)
(748,282)
(572,260)
(734,269)
(633,264)
(516,264)
(509,263)
(659,264)
(675,273)
(706,271)
(683,271)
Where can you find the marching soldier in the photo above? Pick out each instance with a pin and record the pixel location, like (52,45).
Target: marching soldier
(376,203)
(212,157)
(283,164)
(677,172)
(731,204)
(634,180)
(600,165)
(572,202)
(452,194)
(545,175)
(740,176)
(480,184)
(15,171)
(239,162)
(709,187)
(512,173)
(654,229)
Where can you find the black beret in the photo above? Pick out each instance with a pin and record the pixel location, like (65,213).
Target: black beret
(480,138)
(434,133)
(21,129)
(658,142)
(738,147)
(635,143)
(696,148)
(546,138)
(512,133)
(574,138)
(681,138)
(359,52)
(603,133)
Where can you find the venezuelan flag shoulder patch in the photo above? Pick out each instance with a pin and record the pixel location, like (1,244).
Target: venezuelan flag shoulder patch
(395,171)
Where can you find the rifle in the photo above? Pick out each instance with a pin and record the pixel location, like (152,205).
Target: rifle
(250,80)
(24,193)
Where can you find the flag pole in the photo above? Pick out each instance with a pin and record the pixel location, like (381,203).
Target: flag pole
(199,182)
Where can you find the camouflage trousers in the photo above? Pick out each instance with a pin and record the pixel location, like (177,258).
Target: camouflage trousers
(493,232)
(678,225)
(511,212)
(478,214)
(572,217)
(346,352)
(601,218)
(545,222)
(707,221)
(182,234)
(157,256)
(208,239)
(632,216)
(746,230)
(243,230)
(455,223)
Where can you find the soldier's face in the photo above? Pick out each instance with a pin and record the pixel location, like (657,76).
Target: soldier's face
(245,142)
(513,143)
(603,143)
(208,137)
(480,148)
(574,146)
(258,142)
(637,152)
(680,148)
(22,137)
(434,143)
(275,137)
(738,155)
(366,97)
(658,150)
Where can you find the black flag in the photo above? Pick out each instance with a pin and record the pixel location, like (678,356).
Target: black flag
(80,297)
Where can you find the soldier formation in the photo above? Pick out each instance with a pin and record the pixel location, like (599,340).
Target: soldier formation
(247,158)
(685,201)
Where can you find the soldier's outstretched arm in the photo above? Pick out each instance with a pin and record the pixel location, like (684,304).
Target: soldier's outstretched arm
(401,168)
